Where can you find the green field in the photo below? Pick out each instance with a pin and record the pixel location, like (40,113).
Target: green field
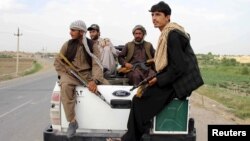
(228,82)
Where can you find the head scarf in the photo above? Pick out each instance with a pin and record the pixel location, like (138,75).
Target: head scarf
(161,56)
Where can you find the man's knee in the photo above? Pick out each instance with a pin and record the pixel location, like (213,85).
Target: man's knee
(135,75)
(67,91)
(134,78)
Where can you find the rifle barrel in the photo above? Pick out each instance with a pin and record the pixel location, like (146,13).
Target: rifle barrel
(82,80)
(133,88)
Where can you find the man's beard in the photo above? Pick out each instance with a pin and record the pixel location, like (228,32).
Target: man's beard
(94,38)
(138,41)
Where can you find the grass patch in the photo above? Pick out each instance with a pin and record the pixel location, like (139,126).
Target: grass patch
(228,77)
(239,104)
(229,86)
(35,68)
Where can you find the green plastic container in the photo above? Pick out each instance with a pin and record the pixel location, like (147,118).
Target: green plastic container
(173,119)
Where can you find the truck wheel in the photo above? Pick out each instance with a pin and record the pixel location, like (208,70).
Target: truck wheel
(48,134)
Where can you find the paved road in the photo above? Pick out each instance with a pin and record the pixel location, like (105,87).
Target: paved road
(24,107)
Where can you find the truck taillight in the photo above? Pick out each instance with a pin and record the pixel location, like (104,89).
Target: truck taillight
(55,96)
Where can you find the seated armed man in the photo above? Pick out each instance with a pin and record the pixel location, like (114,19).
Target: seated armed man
(107,51)
(134,56)
(82,55)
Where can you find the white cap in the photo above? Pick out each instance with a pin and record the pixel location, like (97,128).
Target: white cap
(78,25)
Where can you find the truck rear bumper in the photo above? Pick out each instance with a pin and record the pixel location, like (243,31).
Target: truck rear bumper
(51,135)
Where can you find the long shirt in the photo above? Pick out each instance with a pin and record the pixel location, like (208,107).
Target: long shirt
(80,63)
(138,56)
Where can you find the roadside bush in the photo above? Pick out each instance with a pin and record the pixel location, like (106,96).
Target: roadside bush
(36,67)
(229,62)
(5,56)
(244,71)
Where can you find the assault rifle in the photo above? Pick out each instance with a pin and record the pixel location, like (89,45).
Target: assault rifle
(73,71)
(142,65)
(143,82)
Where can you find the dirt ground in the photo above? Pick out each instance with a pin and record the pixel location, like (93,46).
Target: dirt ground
(206,112)
(8,65)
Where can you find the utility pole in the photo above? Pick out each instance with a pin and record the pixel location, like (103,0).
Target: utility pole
(43,52)
(17,53)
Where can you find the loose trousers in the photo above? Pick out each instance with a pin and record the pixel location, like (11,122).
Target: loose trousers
(68,97)
(143,109)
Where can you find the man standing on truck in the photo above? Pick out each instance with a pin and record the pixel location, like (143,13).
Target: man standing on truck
(83,56)
(135,55)
(107,51)
(177,76)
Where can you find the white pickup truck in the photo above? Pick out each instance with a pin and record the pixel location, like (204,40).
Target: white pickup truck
(99,120)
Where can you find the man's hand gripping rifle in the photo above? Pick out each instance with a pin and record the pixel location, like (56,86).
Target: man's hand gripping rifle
(143,82)
(143,65)
(73,71)
(142,85)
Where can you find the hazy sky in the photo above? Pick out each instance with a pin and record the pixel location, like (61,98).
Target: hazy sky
(217,26)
